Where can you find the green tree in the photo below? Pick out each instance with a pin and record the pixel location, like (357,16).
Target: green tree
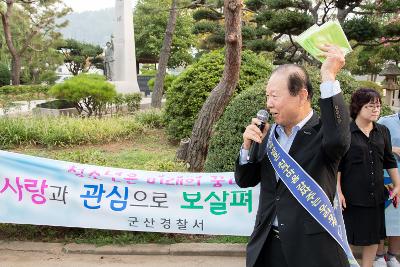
(221,95)
(88,92)
(40,64)
(41,58)
(371,53)
(150,20)
(371,59)
(164,56)
(272,25)
(209,27)
(80,56)
(43,20)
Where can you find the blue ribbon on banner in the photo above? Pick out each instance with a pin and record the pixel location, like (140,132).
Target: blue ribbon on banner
(309,194)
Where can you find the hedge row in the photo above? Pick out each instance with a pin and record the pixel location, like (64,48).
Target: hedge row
(24,89)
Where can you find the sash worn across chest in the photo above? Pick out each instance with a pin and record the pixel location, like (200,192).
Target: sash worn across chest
(309,194)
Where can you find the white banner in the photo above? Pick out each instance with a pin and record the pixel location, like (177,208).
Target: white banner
(49,192)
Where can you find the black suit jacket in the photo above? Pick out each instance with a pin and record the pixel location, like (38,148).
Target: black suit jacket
(318,148)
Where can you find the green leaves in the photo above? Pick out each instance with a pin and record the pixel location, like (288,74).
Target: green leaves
(289,22)
(392,29)
(260,45)
(150,21)
(89,92)
(206,14)
(361,29)
(5,74)
(206,27)
(255,4)
(78,54)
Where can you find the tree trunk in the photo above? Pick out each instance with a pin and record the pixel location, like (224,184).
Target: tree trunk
(164,57)
(16,59)
(181,154)
(15,70)
(222,93)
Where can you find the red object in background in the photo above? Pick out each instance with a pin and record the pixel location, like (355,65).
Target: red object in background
(395,201)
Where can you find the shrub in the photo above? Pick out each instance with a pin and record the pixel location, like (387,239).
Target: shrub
(168,79)
(133,101)
(386,110)
(5,74)
(89,92)
(25,91)
(227,136)
(152,118)
(117,102)
(148,71)
(9,94)
(48,77)
(192,87)
(6,104)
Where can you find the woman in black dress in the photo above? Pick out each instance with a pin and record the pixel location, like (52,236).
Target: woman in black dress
(360,178)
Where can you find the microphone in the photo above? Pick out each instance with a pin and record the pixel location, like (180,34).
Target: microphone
(263,116)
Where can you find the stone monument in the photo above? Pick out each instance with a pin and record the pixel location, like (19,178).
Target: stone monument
(123,71)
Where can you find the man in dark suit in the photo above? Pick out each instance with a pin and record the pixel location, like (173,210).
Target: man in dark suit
(285,235)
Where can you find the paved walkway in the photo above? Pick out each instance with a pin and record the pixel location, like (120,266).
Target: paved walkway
(180,249)
(23,107)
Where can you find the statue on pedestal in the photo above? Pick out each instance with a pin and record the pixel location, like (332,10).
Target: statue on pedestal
(109,59)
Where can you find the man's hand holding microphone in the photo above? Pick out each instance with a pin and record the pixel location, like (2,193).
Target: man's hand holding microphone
(255,133)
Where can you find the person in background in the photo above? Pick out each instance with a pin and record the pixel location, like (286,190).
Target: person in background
(360,178)
(392,122)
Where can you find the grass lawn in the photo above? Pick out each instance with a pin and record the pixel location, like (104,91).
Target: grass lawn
(149,151)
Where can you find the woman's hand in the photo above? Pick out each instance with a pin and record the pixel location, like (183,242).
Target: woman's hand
(342,200)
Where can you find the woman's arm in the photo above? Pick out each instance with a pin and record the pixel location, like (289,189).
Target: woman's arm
(394,175)
(342,200)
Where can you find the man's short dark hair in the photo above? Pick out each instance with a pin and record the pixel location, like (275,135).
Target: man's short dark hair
(361,97)
(297,79)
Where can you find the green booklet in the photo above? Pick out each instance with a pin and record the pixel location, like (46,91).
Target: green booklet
(329,33)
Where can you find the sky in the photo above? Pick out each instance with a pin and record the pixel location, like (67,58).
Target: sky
(85,5)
